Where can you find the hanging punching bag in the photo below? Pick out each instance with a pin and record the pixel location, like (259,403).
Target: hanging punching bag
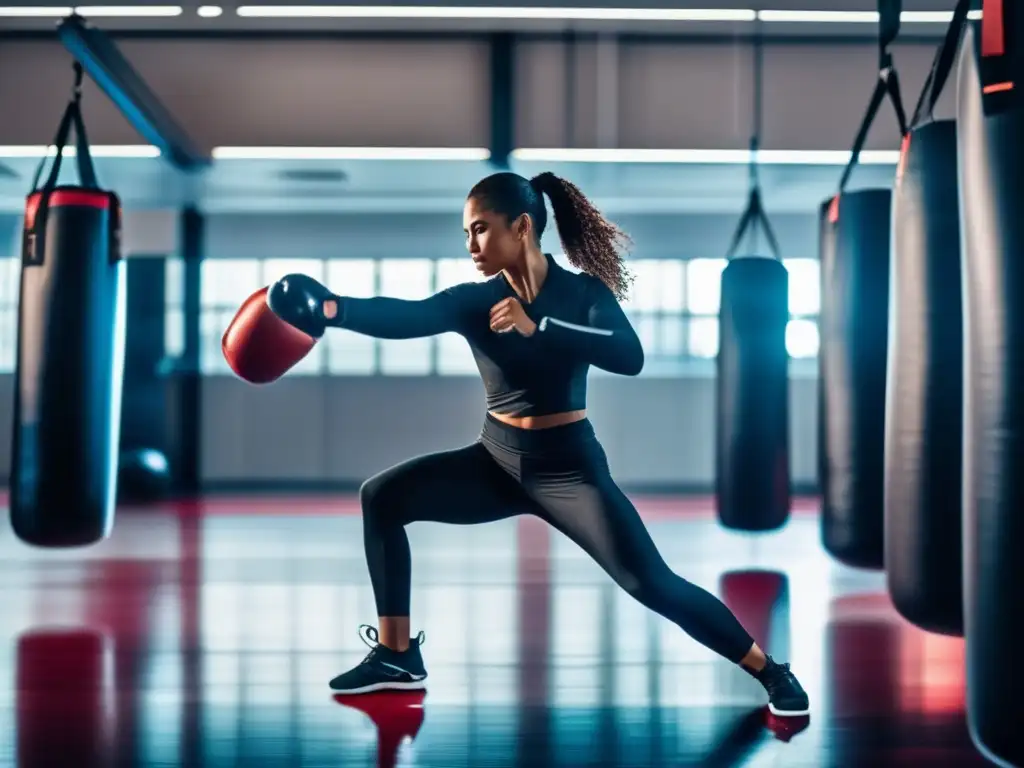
(854,250)
(854,333)
(826,258)
(923,416)
(753,396)
(71,327)
(990,114)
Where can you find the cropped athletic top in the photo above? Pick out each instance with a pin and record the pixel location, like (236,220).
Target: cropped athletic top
(579,324)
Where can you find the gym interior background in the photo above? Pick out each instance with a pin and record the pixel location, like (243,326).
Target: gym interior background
(341,143)
(651,119)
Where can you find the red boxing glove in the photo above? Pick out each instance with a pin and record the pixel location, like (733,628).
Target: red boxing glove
(259,346)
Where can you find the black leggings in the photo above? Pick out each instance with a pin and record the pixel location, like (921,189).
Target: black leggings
(560,475)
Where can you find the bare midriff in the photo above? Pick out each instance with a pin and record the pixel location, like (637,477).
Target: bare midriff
(547,421)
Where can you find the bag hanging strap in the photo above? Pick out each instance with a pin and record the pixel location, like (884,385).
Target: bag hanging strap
(888,83)
(942,66)
(72,118)
(754,214)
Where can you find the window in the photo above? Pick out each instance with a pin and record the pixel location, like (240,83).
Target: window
(406,279)
(702,337)
(10,286)
(351,354)
(704,285)
(657,285)
(452,272)
(804,286)
(174,304)
(802,338)
(804,307)
(703,297)
(224,285)
(656,304)
(673,304)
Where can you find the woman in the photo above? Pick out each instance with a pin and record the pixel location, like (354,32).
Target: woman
(534,329)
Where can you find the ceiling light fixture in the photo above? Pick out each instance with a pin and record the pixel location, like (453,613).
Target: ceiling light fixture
(91,11)
(351,153)
(493,12)
(97,150)
(702,156)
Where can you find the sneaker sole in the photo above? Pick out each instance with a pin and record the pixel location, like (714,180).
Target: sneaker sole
(788,712)
(416,685)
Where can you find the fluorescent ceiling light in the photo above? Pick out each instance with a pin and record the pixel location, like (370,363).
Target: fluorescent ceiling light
(135,11)
(492,12)
(552,155)
(90,11)
(468,12)
(858,17)
(703,156)
(99,150)
(820,17)
(210,11)
(350,153)
(30,12)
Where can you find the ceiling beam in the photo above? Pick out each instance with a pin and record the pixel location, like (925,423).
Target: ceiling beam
(502,99)
(105,64)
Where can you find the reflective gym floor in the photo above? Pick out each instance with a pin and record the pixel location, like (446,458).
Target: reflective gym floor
(204,634)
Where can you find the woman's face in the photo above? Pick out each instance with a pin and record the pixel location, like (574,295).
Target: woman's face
(494,243)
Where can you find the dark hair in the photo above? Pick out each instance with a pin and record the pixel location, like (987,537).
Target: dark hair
(591,242)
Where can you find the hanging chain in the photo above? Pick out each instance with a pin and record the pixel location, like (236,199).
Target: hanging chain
(76,91)
(758,116)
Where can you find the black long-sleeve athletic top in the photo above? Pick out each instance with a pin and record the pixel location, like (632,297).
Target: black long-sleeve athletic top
(579,324)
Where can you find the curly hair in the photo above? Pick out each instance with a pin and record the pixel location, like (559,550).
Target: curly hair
(591,242)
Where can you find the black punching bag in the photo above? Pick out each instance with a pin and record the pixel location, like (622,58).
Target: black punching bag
(924,399)
(990,114)
(752,445)
(924,407)
(854,338)
(71,329)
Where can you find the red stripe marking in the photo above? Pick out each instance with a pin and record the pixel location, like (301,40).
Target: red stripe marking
(833,210)
(993,30)
(904,148)
(62,198)
(997,88)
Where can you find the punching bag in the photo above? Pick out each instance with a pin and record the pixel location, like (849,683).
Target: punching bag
(854,247)
(990,114)
(852,362)
(923,418)
(752,445)
(71,328)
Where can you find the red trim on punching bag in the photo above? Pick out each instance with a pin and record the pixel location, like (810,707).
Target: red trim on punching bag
(997,88)
(59,198)
(902,164)
(833,210)
(993,29)
(80,197)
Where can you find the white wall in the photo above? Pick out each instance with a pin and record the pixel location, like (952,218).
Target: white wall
(658,433)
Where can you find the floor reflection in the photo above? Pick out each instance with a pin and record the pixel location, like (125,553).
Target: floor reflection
(205,637)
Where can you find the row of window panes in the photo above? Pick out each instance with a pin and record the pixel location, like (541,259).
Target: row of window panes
(671,286)
(663,292)
(666,337)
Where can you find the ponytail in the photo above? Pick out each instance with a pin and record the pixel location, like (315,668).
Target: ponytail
(591,242)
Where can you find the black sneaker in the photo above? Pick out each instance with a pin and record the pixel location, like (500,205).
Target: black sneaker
(786,698)
(384,669)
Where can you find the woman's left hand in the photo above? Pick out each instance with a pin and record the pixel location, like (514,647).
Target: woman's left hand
(509,315)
